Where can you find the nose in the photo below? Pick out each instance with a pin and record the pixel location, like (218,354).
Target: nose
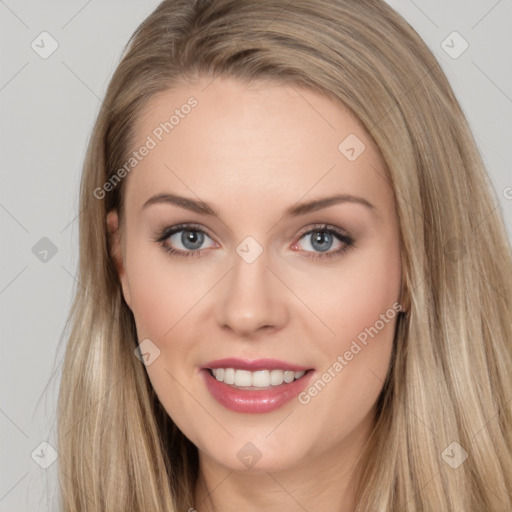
(252,299)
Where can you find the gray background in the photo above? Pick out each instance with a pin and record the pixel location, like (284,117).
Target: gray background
(48,107)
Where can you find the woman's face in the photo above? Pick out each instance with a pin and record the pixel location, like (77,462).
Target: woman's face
(286,263)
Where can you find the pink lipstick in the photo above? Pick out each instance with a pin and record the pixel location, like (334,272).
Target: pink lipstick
(254,386)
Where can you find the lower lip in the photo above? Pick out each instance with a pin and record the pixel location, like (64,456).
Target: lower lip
(254,402)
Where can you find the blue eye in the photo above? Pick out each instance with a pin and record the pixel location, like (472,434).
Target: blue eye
(321,239)
(192,237)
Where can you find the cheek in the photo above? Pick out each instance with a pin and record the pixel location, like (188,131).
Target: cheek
(358,303)
(161,293)
(351,296)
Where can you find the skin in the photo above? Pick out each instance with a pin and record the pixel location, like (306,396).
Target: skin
(251,151)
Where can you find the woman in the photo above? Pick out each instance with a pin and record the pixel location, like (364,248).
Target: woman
(293,295)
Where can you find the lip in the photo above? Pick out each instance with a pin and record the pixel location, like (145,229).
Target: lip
(254,401)
(254,364)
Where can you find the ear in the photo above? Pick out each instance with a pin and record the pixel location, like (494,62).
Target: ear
(116,253)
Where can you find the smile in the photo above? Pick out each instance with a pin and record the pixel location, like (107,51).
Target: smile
(254,386)
(258,379)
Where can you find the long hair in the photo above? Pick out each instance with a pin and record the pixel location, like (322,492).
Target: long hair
(448,389)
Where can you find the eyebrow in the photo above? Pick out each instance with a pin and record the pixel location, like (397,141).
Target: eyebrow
(293,211)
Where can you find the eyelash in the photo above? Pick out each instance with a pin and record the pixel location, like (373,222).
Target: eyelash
(348,241)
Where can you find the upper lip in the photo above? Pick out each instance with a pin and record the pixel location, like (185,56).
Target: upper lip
(254,364)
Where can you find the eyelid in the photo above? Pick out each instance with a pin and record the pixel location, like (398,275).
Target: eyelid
(322,226)
(171,230)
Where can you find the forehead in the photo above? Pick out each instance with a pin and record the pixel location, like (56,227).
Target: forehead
(235,143)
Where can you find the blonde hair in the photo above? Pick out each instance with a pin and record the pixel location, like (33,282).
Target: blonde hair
(450,377)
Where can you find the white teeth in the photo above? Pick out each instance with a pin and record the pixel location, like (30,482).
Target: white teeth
(229,376)
(261,379)
(258,379)
(243,378)
(276,377)
(289,376)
